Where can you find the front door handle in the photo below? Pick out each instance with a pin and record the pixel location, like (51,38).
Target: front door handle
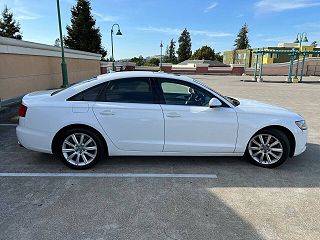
(173,115)
(107,112)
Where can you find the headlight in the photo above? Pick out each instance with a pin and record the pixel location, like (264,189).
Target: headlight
(302,124)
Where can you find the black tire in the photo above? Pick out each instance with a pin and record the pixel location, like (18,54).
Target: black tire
(78,132)
(284,143)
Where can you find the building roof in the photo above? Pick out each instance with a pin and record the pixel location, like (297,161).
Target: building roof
(288,45)
(212,63)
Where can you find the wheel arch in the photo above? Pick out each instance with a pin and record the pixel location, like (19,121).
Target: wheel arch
(72,126)
(286,131)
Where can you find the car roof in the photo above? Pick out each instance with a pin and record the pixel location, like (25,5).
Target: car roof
(128,74)
(113,76)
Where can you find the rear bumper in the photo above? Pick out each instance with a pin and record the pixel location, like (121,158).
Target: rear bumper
(34,139)
(301,138)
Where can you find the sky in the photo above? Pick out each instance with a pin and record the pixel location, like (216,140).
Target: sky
(145,23)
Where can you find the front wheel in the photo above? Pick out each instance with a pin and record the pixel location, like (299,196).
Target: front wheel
(80,148)
(268,148)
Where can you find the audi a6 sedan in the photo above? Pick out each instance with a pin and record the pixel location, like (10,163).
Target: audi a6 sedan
(155,114)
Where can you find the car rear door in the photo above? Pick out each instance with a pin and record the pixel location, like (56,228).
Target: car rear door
(190,125)
(129,115)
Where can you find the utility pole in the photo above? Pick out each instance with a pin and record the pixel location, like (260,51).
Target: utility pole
(119,34)
(161,46)
(64,69)
(301,37)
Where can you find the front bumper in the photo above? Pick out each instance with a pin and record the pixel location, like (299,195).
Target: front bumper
(301,138)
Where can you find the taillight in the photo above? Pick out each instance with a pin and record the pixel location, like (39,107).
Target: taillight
(22,110)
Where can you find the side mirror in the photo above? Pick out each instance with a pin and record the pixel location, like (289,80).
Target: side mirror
(191,90)
(214,103)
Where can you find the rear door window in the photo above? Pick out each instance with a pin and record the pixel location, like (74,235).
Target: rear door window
(129,90)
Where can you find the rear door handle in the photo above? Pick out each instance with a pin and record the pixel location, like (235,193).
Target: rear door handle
(173,115)
(107,112)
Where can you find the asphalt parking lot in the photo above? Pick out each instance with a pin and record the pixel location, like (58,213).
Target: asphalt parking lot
(232,200)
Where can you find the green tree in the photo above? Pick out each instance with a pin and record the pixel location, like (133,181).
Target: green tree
(314,44)
(152,62)
(138,60)
(205,52)
(82,34)
(170,56)
(219,57)
(242,40)
(165,58)
(9,27)
(184,50)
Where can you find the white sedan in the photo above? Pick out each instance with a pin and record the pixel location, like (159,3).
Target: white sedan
(155,114)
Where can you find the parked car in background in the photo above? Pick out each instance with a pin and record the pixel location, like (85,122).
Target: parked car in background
(155,114)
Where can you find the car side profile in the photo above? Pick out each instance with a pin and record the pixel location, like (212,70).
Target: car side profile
(155,114)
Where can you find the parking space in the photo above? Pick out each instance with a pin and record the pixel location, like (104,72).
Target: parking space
(168,197)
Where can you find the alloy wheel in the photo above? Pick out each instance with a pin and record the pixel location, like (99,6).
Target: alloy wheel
(265,149)
(79,149)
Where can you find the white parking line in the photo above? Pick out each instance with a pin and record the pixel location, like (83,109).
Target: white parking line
(111,175)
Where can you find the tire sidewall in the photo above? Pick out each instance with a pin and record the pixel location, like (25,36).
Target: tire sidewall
(96,138)
(283,140)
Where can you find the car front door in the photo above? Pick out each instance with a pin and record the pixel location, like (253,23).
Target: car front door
(190,125)
(130,117)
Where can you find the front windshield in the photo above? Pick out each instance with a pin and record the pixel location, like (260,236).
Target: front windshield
(231,100)
(73,85)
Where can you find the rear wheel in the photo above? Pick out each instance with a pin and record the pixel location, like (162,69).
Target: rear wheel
(268,148)
(80,148)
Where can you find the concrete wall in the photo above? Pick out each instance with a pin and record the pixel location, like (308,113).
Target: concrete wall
(106,67)
(199,68)
(27,67)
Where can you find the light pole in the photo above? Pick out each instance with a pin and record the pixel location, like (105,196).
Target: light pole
(161,46)
(64,70)
(301,37)
(291,66)
(119,34)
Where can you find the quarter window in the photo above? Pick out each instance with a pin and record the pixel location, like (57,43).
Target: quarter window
(90,94)
(129,90)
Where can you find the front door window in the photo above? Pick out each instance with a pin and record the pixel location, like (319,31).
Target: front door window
(176,93)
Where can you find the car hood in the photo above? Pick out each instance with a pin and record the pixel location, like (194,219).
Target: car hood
(253,106)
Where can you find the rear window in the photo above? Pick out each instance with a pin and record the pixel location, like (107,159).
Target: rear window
(73,85)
